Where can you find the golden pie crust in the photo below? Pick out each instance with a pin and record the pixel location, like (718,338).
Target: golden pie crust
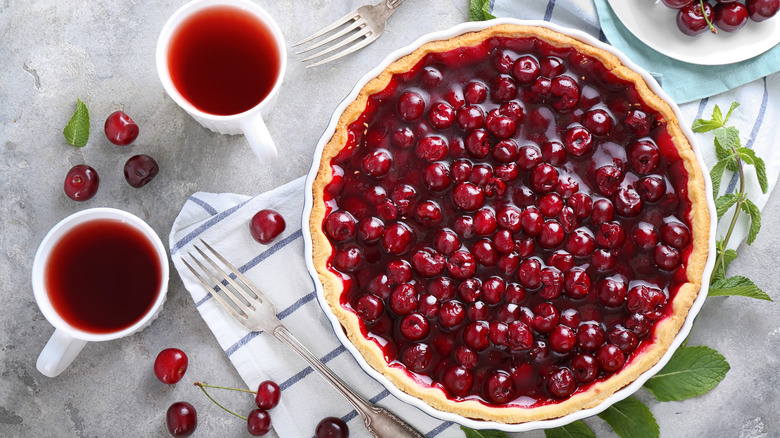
(664,330)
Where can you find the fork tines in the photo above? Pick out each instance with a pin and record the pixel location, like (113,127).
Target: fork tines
(234,298)
(349,33)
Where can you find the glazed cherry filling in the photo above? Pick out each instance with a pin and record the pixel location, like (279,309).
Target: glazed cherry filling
(510,222)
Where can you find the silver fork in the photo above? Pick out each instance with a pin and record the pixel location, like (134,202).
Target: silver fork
(358,28)
(254,310)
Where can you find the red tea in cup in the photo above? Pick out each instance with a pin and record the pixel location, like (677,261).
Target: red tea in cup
(224,60)
(103,276)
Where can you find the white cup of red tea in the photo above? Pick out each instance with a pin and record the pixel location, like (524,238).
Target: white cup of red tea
(223,62)
(98,275)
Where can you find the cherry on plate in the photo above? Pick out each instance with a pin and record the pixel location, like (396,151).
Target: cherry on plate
(266,225)
(81,182)
(332,427)
(170,365)
(140,169)
(181,419)
(120,128)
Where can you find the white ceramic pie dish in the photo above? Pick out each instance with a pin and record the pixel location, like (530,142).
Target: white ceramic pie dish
(468,422)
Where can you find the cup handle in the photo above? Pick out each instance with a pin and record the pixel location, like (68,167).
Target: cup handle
(58,353)
(259,138)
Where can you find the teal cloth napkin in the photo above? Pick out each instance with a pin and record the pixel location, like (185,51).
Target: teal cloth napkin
(685,82)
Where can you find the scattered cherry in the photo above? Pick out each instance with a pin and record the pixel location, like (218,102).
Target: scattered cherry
(140,169)
(332,427)
(120,128)
(81,182)
(258,422)
(181,419)
(266,225)
(760,10)
(170,365)
(268,394)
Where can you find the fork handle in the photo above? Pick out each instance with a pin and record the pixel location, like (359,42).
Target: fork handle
(380,422)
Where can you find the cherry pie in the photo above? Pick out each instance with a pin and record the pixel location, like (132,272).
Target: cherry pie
(509,224)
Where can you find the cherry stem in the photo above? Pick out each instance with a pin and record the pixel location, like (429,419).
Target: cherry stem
(203,386)
(704,13)
(740,201)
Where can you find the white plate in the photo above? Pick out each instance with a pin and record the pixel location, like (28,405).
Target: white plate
(656,25)
(469,422)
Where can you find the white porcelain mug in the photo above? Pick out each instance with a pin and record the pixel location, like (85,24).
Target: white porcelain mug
(68,340)
(250,122)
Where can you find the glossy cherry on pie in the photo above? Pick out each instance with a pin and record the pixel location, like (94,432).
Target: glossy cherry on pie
(515,218)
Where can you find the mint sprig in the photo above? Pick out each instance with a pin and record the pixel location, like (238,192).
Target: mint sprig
(479,10)
(76,132)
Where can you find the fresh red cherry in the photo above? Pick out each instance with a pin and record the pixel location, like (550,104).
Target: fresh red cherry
(760,10)
(258,422)
(140,169)
(181,419)
(120,129)
(266,225)
(332,427)
(170,365)
(690,18)
(268,394)
(730,17)
(81,182)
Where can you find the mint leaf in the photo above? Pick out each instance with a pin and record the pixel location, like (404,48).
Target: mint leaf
(717,116)
(578,429)
(755,219)
(702,125)
(763,181)
(77,131)
(479,10)
(716,174)
(737,286)
(749,156)
(692,371)
(471,433)
(630,418)
(734,106)
(726,141)
(725,202)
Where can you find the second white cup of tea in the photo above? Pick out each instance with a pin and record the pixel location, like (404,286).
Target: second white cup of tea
(249,122)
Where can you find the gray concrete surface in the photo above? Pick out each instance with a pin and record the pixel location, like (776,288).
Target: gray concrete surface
(103,52)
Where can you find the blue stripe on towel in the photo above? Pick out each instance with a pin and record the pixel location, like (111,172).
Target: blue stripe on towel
(442,427)
(205,205)
(281,315)
(255,261)
(308,370)
(548,13)
(205,226)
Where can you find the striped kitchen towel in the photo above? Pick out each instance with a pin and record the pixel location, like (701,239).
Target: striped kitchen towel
(279,270)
